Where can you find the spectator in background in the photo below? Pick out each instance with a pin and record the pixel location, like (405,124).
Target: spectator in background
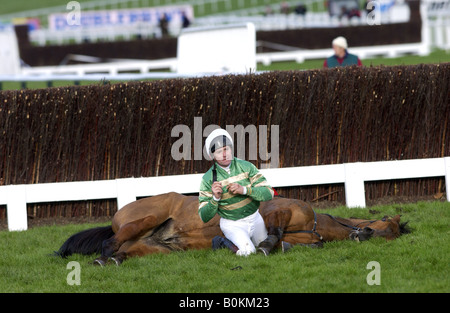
(284,8)
(268,11)
(164,25)
(349,13)
(300,9)
(341,56)
(186,22)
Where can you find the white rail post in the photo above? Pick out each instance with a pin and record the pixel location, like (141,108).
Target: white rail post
(125,191)
(354,185)
(447,177)
(17,208)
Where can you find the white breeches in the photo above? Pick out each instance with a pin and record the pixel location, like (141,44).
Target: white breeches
(245,233)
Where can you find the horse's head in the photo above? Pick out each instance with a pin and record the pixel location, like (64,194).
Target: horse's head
(389,228)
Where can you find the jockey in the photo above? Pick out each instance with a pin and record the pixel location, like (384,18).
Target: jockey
(233,188)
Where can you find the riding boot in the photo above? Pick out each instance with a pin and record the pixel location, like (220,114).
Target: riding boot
(268,244)
(219,242)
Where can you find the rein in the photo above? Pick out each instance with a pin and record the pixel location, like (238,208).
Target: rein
(214,173)
(350,226)
(342,224)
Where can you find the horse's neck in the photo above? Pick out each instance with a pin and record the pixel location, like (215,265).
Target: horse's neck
(332,228)
(355,222)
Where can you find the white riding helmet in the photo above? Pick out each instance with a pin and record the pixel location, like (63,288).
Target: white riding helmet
(340,42)
(217,139)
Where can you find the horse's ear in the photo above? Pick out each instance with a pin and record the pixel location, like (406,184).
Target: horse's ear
(368,230)
(397,218)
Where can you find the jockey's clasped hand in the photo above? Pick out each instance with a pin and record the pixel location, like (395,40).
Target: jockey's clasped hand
(217,190)
(235,188)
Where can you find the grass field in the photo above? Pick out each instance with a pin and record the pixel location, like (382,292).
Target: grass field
(232,5)
(416,262)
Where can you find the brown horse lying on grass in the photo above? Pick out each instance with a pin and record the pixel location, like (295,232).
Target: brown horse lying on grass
(170,222)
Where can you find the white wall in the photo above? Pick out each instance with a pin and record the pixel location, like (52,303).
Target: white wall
(217,49)
(9,51)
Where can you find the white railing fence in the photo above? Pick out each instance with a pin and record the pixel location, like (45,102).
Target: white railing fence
(429,35)
(126,190)
(115,70)
(437,22)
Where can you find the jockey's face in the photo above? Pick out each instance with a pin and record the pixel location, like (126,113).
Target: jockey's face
(339,51)
(223,156)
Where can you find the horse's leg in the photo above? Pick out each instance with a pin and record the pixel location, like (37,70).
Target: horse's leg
(276,222)
(137,248)
(130,231)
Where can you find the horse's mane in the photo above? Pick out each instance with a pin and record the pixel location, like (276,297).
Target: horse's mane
(404,228)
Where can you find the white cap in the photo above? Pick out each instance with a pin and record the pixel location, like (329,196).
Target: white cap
(214,134)
(341,42)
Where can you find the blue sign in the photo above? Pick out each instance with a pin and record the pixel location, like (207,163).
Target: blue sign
(88,19)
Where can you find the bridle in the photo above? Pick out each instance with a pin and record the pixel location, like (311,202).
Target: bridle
(314,232)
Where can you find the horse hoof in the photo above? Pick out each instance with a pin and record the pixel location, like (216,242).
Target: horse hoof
(116,261)
(99,262)
(285,246)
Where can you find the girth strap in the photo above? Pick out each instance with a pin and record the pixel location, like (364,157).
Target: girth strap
(313,231)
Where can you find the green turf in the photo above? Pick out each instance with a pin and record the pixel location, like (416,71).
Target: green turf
(416,262)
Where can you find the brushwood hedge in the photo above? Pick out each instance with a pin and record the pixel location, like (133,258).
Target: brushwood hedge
(325,116)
